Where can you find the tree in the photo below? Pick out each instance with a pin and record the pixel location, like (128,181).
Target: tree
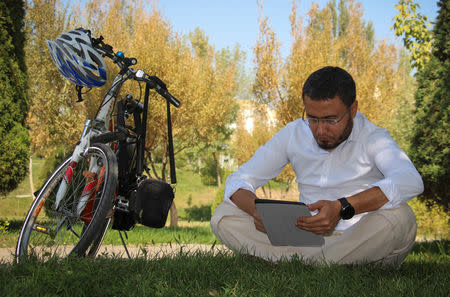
(205,90)
(189,70)
(430,144)
(413,26)
(403,119)
(14,138)
(254,129)
(335,35)
(226,63)
(54,117)
(318,43)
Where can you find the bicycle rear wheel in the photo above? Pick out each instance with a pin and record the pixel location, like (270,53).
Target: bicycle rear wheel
(72,225)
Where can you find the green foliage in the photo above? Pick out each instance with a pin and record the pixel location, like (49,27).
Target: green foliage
(14,139)
(218,198)
(220,192)
(200,42)
(54,159)
(441,46)
(431,222)
(208,172)
(4,226)
(198,213)
(430,145)
(54,118)
(413,27)
(14,152)
(403,120)
(343,18)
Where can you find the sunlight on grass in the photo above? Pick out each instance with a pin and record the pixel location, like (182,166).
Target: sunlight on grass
(425,273)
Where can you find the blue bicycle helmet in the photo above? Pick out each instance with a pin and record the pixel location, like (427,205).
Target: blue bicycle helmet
(77,60)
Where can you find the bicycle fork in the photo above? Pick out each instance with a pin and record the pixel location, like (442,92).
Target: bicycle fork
(93,177)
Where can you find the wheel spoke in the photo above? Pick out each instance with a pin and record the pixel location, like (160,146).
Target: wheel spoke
(60,232)
(73,231)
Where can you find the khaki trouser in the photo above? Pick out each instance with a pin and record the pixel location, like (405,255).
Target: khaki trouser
(382,236)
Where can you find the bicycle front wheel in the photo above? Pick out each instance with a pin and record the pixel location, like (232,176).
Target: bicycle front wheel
(69,225)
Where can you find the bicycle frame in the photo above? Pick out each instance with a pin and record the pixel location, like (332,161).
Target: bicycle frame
(85,184)
(97,126)
(103,117)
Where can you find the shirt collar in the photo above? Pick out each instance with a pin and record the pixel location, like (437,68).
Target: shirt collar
(357,122)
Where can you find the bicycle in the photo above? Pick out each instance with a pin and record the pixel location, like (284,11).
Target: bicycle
(102,178)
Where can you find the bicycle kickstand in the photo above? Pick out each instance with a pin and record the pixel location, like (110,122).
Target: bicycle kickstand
(123,242)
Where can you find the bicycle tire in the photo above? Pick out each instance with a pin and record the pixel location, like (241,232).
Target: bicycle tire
(97,242)
(47,232)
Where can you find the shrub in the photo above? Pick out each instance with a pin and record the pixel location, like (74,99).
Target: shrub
(220,192)
(14,138)
(4,226)
(198,213)
(208,172)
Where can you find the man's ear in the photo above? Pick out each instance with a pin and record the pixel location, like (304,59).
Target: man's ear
(354,108)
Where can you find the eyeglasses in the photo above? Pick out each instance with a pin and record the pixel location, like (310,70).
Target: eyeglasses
(329,122)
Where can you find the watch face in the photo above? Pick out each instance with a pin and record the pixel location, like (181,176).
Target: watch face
(347,210)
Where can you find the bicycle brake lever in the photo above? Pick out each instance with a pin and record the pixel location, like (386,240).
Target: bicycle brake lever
(157,84)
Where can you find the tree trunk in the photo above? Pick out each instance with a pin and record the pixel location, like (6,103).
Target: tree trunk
(216,162)
(286,189)
(173,215)
(31,177)
(199,164)
(152,164)
(264,191)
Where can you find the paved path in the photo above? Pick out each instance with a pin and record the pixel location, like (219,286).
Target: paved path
(160,250)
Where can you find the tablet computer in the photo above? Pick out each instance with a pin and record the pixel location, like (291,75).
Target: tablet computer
(279,218)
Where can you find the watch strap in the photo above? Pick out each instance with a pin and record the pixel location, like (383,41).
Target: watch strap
(347,210)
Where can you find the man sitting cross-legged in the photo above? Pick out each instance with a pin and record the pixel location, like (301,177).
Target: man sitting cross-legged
(351,174)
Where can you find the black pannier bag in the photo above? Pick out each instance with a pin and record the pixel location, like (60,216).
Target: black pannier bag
(153,201)
(148,205)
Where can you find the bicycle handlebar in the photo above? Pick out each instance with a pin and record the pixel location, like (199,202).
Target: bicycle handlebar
(124,63)
(158,85)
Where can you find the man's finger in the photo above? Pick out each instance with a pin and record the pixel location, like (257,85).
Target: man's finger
(317,230)
(310,219)
(318,224)
(315,206)
(259,226)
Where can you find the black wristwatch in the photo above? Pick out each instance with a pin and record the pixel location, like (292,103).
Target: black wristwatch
(347,210)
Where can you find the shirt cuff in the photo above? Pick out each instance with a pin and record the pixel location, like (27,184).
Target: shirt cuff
(232,186)
(390,191)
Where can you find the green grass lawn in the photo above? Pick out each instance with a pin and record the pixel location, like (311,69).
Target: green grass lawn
(425,272)
(23,188)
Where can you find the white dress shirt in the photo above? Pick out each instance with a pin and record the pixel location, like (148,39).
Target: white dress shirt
(368,158)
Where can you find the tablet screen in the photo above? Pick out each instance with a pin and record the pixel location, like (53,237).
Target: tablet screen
(279,218)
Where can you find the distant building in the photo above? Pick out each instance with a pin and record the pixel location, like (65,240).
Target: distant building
(247,112)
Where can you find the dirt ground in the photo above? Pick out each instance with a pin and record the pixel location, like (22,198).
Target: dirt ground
(150,251)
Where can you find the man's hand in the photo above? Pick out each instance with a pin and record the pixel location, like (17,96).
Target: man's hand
(245,200)
(258,222)
(325,220)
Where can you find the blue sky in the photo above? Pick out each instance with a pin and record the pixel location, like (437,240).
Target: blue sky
(228,22)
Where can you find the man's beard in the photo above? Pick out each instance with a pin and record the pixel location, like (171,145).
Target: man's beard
(343,137)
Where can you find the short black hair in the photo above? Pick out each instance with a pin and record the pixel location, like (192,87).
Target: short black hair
(328,82)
